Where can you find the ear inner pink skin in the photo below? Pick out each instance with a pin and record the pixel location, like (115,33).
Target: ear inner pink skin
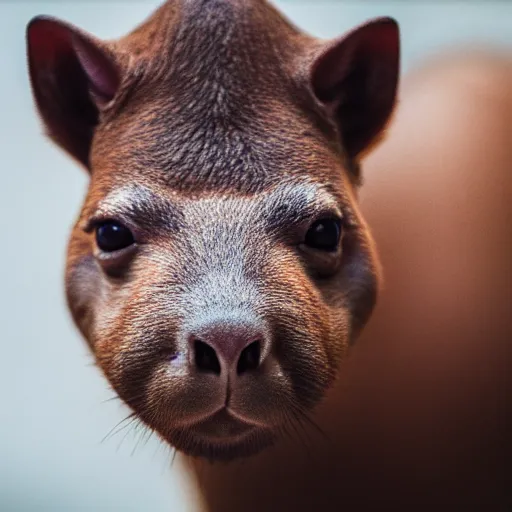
(103,77)
(50,39)
(361,69)
(73,76)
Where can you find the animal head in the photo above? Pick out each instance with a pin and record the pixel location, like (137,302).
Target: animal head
(220,266)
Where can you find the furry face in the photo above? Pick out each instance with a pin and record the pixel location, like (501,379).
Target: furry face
(220,267)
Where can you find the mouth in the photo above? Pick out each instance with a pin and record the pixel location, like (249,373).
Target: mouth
(223,437)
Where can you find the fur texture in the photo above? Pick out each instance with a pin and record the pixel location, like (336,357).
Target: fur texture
(218,133)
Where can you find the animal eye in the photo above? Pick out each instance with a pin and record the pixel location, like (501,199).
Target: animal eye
(324,235)
(112,236)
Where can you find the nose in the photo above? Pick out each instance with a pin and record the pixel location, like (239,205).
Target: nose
(228,346)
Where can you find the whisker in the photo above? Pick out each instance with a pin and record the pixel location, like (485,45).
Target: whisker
(301,433)
(175,452)
(133,427)
(111,399)
(142,431)
(307,418)
(118,428)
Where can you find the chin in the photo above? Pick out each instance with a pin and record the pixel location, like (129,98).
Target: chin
(222,438)
(223,450)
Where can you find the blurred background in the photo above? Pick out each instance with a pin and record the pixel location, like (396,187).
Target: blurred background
(56,410)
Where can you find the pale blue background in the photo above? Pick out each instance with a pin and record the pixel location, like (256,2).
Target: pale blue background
(52,415)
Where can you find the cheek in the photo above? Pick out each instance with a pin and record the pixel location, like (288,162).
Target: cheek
(309,337)
(98,317)
(83,289)
(129,324)
(351,294)
(89,292)
(136,328)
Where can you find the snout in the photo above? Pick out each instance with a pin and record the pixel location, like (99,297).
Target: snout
(229,346)
(227,374)
(233,378)
(231,365)
(224,367)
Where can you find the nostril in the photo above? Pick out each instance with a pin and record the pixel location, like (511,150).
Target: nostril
(205,357)
(226,345)
(249,358)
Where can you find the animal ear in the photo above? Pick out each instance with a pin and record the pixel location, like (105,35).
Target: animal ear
(73,77)
(356,79)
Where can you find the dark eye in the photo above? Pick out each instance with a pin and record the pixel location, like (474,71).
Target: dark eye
(112,236)
(324,235)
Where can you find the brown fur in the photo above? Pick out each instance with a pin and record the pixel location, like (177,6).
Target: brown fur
(227,134)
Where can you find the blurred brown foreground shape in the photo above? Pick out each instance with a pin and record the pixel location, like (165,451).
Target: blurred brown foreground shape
(419,418)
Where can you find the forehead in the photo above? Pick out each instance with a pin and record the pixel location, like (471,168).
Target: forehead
(159,145)
(218,105)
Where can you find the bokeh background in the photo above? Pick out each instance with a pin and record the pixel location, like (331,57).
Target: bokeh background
(55,409)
